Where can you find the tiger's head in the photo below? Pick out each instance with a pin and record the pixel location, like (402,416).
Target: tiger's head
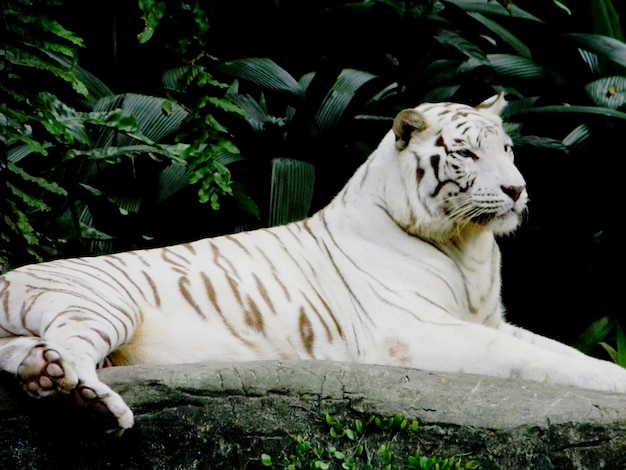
(456,166)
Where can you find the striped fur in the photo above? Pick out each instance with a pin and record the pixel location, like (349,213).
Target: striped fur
(401,268)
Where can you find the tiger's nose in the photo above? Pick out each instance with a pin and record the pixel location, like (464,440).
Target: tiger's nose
(514,192)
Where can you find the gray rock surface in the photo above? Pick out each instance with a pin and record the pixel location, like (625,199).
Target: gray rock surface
(225,416)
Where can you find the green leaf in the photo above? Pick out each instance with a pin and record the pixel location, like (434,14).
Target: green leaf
(152,13)
(291,190)
(113,154)
(18,152)
(22,226)
(609,92)
(127,205)
(584,110)
(115,119)
(64,121)
(15,154)
(265,73)
(67,230)
(179,78)
(148,112)
(27,199)
(562,6)
(255,114)
(33,56)
(171,180)
(358,425)
(338,99)
(95,88)
(41,182)
(610,350)
(508,65)
(493,8)
(594,334)
(612,49)
(58,30)
(621,345)
(578,139)
(91,190)
(266,460)
(456,41)
(503,33)
(226,105)
(606,20)
(541,142)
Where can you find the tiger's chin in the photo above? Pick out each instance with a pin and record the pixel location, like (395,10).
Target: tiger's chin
(503,224)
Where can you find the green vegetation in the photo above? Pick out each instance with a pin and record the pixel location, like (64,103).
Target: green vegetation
(348,449)
(596,334)
(84,166)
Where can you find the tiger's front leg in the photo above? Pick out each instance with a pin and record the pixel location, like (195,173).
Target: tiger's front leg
(542,341)
(43,371)
(44,368)
(477,349)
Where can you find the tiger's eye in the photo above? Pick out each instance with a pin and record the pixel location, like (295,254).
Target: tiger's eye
(466,153)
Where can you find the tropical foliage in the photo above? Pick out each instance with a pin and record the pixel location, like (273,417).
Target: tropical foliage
(85,167)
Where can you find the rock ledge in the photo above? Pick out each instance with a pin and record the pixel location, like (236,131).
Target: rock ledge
(225,415)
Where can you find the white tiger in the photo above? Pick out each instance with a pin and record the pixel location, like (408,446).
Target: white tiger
(401,268)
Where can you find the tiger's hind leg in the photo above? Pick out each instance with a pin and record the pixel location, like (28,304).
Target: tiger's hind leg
(104,404)
(45,369)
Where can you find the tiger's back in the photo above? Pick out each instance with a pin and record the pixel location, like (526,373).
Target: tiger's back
(401,268)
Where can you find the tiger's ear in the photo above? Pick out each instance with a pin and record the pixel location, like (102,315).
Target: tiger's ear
(406,123)
(494,105)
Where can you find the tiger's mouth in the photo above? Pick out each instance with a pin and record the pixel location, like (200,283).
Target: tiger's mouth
(500,223)
(484,218)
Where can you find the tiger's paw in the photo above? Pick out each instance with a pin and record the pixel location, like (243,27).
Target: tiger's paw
(106,406)
(43,372)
